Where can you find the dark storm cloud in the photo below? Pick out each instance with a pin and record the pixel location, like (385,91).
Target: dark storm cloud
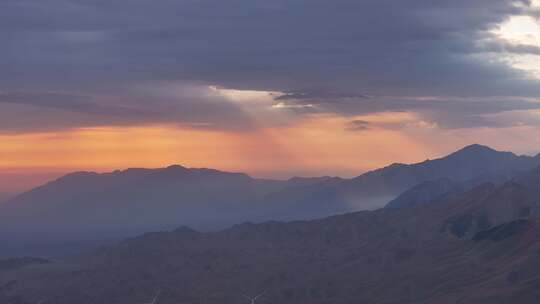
(352,48)
(358,125)
(28,111)
(446,112)
(502,47)
(68,102)
(318,95)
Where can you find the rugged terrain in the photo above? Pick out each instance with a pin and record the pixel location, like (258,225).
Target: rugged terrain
(479,246)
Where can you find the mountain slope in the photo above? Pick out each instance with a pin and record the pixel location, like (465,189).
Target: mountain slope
(437,190)
(135,197)
(478,247)
(466,164)
(469,167)
(426,192)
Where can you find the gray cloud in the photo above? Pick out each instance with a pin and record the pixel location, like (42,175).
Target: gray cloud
(447,112)
(358,125)
(351,48)
(318,95)
(68,102)
(27,111)
(506,47)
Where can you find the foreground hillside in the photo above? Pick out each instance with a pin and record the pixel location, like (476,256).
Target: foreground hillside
(479,246)
(90,207)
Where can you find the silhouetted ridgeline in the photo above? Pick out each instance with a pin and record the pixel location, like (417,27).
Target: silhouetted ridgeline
(87,206)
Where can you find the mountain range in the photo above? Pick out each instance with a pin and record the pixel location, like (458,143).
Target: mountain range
(480,245)
(92,207)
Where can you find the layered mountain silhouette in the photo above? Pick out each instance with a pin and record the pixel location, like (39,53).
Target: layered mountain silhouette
(478,246)
(92,206)
(437,190)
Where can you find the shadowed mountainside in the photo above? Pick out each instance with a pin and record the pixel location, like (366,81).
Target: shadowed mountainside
(438,190)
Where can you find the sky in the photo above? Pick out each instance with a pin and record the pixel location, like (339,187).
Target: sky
(272,88)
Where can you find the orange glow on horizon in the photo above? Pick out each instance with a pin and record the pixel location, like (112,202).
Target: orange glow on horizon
(316,144)
(313,146)
(104,148)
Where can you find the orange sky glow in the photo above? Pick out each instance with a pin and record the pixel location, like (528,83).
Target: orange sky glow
(316,145)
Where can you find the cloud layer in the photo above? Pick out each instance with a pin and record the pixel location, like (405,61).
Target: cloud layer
(116,62)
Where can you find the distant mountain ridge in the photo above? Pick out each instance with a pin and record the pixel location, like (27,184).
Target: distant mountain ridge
(467,163)
(88,205)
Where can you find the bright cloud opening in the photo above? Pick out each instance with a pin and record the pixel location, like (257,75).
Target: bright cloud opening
(522,31)
(243,96)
